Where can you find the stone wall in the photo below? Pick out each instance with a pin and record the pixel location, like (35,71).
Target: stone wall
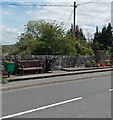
(57,61)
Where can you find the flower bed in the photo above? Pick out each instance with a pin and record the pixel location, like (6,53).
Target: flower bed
(106,63)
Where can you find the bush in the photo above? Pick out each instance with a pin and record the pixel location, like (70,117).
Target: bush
(108,62)
(93,63)
(4,80)
(88,64)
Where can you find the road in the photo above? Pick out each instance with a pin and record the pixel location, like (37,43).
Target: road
(85,98)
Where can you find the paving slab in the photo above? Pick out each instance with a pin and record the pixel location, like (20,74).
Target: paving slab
(17,82)
(81,68)
(58,73)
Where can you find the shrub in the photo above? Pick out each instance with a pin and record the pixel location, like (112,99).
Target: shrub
(107,61)
(93,63)
(88,64)
(4,80)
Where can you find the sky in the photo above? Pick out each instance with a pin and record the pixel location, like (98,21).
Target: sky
(14,17)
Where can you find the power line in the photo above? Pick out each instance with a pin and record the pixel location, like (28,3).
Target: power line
(48,5)
(32,4)
(69,18)
(89,2)
(44,5)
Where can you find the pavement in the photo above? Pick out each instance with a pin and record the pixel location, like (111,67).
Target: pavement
(16,82)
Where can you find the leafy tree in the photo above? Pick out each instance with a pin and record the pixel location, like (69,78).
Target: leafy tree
(44,38)
(78,32)
(111,49)
(81,46)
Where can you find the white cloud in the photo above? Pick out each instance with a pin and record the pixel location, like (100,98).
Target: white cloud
(51,14)
(97,14)
(6,13)
(90,15)
(87,16)
(88,30)
(9,35)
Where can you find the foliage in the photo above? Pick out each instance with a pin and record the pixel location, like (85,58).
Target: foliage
(78,32)
(0,50)
(88,64)
(6,49)
(91,63)
(83,48)
(108,61)
(40,38)
(109,51)
(3,80)
(103,40)
(46,38)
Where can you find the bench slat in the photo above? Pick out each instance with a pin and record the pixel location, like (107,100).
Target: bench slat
(27,65)
(33,68)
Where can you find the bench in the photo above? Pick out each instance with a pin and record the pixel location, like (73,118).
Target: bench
(28,65)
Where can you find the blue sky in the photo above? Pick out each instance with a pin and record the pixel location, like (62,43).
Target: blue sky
(14,17)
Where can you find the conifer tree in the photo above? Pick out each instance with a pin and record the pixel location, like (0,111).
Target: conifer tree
(104,39)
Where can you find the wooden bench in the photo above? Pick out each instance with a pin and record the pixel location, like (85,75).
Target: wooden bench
(28,65)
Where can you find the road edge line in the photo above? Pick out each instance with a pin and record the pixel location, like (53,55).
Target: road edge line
(41,108)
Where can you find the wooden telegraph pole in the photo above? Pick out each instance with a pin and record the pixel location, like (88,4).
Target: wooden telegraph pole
(74,20)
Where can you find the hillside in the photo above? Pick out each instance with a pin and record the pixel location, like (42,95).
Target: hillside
(6,49)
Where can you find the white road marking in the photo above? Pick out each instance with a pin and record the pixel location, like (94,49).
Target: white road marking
(110,90)
(41,108)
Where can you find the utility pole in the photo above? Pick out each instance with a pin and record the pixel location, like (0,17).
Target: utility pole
(74,17)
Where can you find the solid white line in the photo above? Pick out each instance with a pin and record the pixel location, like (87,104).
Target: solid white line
(41,108)
(110,90)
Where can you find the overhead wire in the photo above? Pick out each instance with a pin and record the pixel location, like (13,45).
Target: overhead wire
(69,18)
(32,4)
(49,5)
(88,2)
(43,5)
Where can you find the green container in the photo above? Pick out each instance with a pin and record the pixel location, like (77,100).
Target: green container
(9,67)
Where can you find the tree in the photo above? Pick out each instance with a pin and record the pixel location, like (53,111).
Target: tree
(109,35)
(42,37)
(103,40)
(45,38)
(78,32)
(81,46)
(96,35)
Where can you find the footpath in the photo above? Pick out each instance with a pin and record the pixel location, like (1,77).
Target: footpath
(32,80)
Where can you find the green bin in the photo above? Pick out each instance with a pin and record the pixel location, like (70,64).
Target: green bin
(9,67)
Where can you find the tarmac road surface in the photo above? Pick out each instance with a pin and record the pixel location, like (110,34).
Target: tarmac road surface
(60,100)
